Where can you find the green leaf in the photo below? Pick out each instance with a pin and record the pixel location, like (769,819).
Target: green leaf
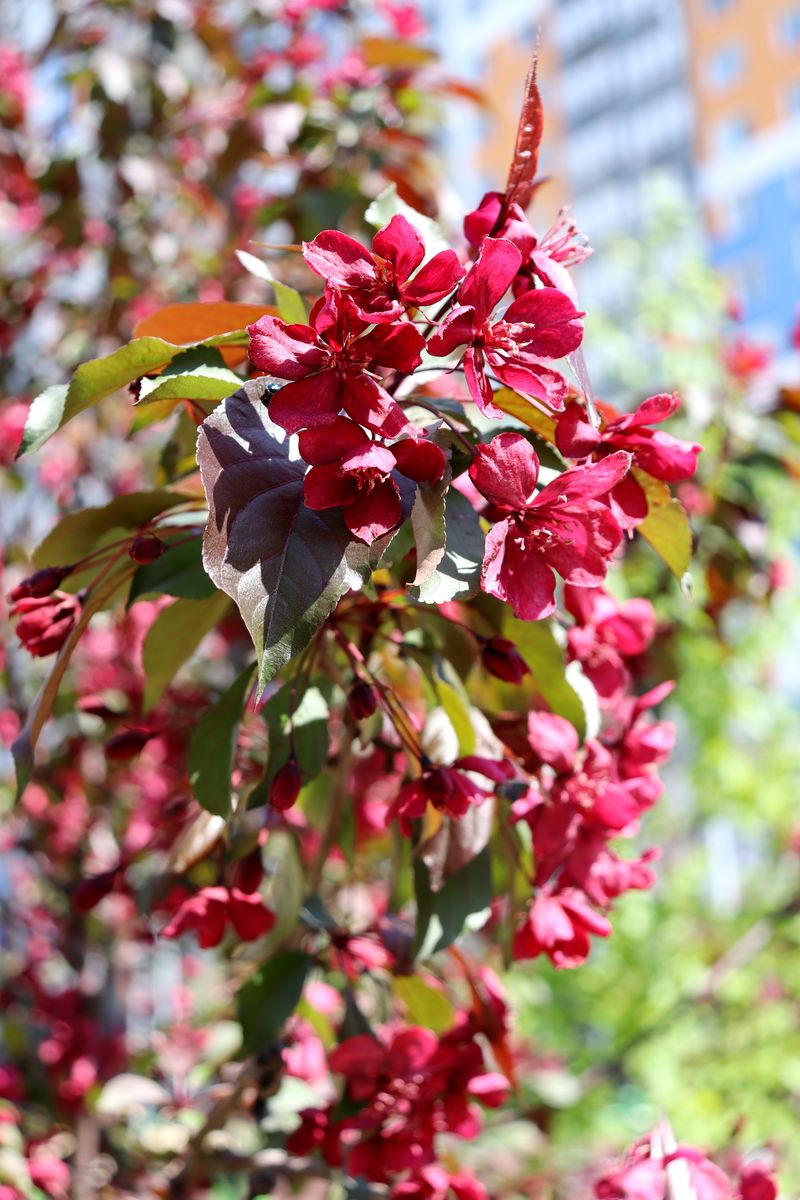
(289,301)
(81,532)
(463,901)
(311,729)
(537,644)
(517,406)
(388,204)
(213,744)
(666,526)
(203,383)
(100,377)
(43,419)
(428,527)
(173,638)
(179,572)
(285,565)
(457,574)
(455,702)
(270,997)
(426,1006)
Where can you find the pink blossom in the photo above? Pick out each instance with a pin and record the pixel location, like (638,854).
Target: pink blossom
(564,528)
(331,364)
(383,284)
(540,326)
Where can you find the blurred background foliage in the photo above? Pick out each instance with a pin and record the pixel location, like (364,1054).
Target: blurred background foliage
(142,144)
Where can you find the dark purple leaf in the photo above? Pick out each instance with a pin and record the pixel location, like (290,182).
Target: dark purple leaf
(284,565)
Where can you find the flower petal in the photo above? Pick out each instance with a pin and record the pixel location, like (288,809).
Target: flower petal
(490,277)
(458,328)
(515,574)
(585,483)
(375,512)
(286,351)
(398,346)
(506,471)
(307,403)
(340,260)
(401,245)
(332,442)
(530,378)
(327,487)
(576,437)
(369,404)
(555,325)
(422,461)
(435,280)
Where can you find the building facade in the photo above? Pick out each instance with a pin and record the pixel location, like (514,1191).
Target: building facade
(704,93)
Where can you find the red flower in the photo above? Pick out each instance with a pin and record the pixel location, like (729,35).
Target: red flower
(208,912)
(559,926)
(435,1183)
(351,471)
(286,785)
(449,789)
(756,1182)
(382,285)
(331,364)
(544,260)
(554,740)
(659,454)
(502,659)
(606,632)
(541,325)
(45,622)
(564,528)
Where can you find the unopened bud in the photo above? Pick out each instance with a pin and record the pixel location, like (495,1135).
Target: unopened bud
(286,785)
(146,548)
(127,744)
(91,891)
(362,701)
(502,659)
(41,583)
(249,872)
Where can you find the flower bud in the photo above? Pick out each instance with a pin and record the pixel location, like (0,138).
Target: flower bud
(502,659)
(361,700)
(146,548)
(286,785)
(40,583)
(249,872)
(92,890)
(45,622)
(127,744)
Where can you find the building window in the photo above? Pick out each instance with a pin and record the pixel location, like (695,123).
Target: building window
(726,66)
(789,28)
(730,133)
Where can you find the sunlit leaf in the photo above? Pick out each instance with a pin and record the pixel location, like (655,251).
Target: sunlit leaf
(212,746)
(425,1005)
(289,301)
(463,900)
(173,638)
(457,574)
(666,526)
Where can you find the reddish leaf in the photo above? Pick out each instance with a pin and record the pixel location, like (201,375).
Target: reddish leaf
(522,172)
(184,324)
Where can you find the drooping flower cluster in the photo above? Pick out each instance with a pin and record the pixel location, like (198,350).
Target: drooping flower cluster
(404,1091)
